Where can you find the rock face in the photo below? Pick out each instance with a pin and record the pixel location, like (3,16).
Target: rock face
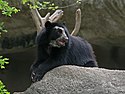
(79,80)
(102,22)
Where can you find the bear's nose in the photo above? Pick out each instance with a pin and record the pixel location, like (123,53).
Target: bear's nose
(66,38)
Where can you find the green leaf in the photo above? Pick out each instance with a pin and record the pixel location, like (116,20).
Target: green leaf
(46,3)
(24,1)
(6,62)
(5,59)
(2,67)
(1,56)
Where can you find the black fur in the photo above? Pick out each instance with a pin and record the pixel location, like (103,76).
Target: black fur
(77,51)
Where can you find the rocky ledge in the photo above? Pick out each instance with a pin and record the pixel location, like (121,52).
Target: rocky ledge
(79,80)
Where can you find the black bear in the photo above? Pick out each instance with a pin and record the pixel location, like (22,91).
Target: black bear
(57,47)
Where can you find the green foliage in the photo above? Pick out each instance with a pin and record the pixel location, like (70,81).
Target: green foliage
(25,1)
(2,89)
(6,9)
(2,28)
(3,61)
(46,5)
(40,5)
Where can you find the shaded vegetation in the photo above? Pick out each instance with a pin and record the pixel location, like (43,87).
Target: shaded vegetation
(3,61)
(2,89)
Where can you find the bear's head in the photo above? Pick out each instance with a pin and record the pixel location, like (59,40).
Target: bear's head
(57,34)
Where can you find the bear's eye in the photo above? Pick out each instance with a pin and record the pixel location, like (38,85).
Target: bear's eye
(59,31)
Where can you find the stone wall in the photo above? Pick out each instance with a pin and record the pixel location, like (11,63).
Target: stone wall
(102,20)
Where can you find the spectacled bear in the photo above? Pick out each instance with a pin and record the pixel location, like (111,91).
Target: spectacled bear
(57,47)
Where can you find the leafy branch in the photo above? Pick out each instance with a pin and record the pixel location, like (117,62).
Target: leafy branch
(2,89)
(2,28)
(33,4)
(3,61)
(6,9)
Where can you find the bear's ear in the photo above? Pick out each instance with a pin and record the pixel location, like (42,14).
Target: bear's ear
(48,24)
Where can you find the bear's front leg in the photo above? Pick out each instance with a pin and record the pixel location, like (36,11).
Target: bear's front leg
(35,76)
(42,69)
(38,73)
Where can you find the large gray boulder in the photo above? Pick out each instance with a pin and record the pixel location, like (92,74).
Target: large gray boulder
(79,80)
